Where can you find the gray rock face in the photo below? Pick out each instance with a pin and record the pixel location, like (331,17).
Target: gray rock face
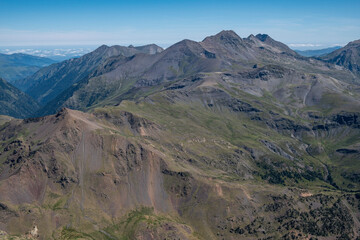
(48,82)
(348,57)
(121,76)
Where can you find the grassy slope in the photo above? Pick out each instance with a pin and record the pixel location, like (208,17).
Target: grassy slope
(204,141)
(206,132)
(200,140)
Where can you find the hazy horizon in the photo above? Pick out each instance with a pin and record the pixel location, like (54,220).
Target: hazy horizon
(64,52)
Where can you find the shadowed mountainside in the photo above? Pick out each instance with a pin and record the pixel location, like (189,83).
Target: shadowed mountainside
(348,57)
(48,82)
(18,66)
(15,103)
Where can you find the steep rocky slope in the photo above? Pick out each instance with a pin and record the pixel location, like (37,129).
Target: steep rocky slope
(48,82)
(15,103)
(4,119)
(157,169)
(124,78)
(348,57)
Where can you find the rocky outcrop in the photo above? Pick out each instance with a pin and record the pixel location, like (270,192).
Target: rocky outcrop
(348,57)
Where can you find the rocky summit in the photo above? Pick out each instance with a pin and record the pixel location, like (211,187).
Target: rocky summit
(226,138)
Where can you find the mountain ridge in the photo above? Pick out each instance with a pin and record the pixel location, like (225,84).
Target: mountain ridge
(348,57)
(224,51)
(15,103)
(317,52)
(18,65)
(48,82)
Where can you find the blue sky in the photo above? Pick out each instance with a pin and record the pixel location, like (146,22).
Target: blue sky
(300,24)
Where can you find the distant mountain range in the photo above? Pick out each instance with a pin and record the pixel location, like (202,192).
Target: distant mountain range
(89,80)
(348,57)
(47,83)
(317,52)
(57,53)
(123,77)
(18,65)
(226,138)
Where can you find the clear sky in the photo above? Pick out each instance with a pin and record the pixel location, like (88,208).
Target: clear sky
(89,22)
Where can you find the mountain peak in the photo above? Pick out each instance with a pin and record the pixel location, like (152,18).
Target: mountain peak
(356,42)
(263,37)
(225,35)
(274,45)
(102,48)
(184,43)
(348,57)
(63,111)
(150,48)
(185,46)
